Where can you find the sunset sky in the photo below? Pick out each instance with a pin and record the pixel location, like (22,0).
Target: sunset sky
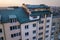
(19,2)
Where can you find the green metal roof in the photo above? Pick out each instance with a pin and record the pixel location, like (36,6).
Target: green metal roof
(38,13)
(19,13)
(0,17)
(37,6)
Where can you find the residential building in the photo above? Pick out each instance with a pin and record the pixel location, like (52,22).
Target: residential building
(56,28)
(29,22)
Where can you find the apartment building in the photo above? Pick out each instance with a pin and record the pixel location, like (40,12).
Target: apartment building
(29,22)
(53,29)
(56,28)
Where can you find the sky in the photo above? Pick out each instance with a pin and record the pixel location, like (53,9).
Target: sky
(19,2)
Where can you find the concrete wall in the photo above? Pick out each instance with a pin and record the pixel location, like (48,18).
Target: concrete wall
(2,34)
(31,18)
(8,32)
(57,25)
(30,30)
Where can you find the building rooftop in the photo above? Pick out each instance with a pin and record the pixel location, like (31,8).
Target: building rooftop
(37,6)
(20,14)
(38,13)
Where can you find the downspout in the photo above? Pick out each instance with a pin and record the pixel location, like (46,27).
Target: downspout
(45,26)
(37,28)
(4,31)
(51,25)
(21,31)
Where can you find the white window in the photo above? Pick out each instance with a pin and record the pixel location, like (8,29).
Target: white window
(12,18)
(0,30)
(26,26)
(1,38)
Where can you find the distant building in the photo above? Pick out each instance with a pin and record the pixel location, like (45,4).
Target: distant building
(56,25)
(55,33)
(29,22)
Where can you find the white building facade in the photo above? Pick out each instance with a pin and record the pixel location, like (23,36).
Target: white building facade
(32,26)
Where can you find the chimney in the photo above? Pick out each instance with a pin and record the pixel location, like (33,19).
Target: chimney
(26,9)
